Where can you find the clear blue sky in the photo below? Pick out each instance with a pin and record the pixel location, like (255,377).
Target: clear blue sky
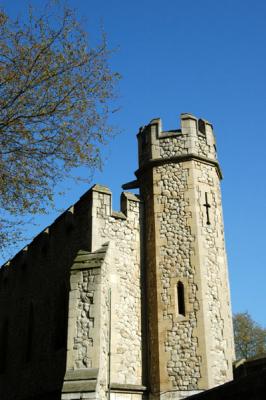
(208,58)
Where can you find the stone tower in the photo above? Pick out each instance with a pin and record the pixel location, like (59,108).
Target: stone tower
(189,328)
(131,304)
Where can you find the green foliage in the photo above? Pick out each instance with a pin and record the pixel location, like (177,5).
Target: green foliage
(55,92)
(250,337)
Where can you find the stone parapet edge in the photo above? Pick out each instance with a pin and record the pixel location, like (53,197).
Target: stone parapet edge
(127,388)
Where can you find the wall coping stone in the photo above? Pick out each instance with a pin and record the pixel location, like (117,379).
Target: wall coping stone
(127,388)
(87,260)
(79,386)
(81,374)
(118,215)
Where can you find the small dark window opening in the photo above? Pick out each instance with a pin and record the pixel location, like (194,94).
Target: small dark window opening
(181,299)
(3,346)
(61,318)
(202,127)
(30,335)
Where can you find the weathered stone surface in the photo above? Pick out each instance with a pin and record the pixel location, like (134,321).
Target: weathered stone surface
(79,386)
(81,374)
(193,351)
(146,288)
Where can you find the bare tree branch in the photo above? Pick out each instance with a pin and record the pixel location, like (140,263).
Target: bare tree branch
(55,92)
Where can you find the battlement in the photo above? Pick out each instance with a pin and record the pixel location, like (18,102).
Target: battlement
(138,295)
(195,138)
(96,202)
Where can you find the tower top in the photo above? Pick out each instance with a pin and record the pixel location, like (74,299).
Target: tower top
(194,139)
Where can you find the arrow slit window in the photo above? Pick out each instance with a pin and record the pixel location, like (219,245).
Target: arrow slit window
(181,299)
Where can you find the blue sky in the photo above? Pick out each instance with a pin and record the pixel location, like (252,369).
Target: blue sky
(204,57)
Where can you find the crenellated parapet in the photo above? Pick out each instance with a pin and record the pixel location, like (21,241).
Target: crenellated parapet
(130,304)
(54,301)
(188,300)
(194,140)
(96,202)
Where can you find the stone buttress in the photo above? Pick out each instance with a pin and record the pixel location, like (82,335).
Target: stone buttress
(105,350)
(70,307)
(190,339)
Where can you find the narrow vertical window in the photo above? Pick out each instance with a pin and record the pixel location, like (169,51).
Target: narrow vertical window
(202,127)
(3,346)
(181,299)
(30,335)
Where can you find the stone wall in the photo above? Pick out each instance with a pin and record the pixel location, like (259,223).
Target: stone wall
(122,231)
(114,279)
(34,288)
(214,276)
(72,265)
(175,265)
(179,178)
(149,282)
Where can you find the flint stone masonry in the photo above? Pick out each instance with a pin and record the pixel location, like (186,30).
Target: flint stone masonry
(178,169)
(175,264)
(131,304)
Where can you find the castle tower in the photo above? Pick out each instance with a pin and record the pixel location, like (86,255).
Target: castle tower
(129,304)
(189,332)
